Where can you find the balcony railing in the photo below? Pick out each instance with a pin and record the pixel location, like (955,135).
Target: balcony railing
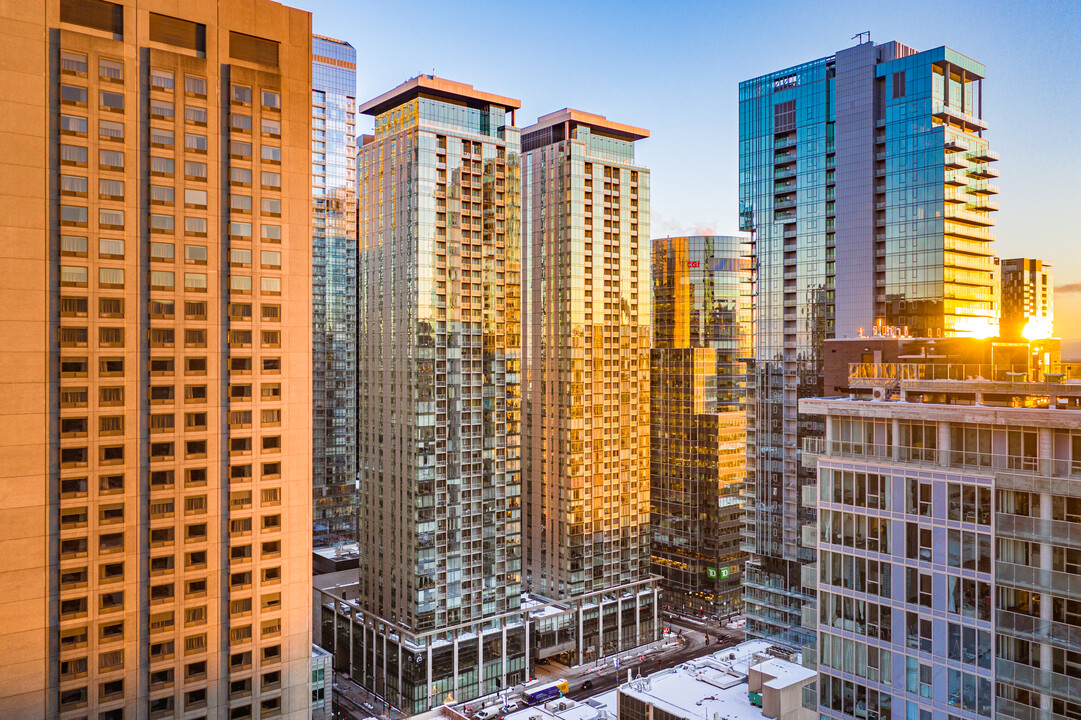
(877,374)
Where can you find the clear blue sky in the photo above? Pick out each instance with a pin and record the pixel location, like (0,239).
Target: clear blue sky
(675,68)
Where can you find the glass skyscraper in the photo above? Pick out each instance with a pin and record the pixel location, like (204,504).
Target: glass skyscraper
(702,334)
(439,395)
(865,179)
(334,291)
(586,336)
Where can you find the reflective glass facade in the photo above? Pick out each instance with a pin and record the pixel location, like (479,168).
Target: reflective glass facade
(701,336)
(334,288)
(438,369)
(587,335)
(865,178)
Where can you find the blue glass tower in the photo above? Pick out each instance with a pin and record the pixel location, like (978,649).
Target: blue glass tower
(334,291)
(865,179)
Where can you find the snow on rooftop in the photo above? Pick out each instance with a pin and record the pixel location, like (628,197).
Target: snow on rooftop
(602,707)
(714,687)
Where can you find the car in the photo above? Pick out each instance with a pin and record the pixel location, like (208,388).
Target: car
(542,661)
(587,685)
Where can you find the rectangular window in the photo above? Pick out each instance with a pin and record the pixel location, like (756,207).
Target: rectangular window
(110,248)
(194,170)
(161,137)
(161,79)
(111,189)
(110,70)
(195,142)
(195,282)
(271,285)
(241,94)
(73,125)
(271,154)
(270,259)
(240,176)
(272,207)
(178,33)
(161,223)
(271,180)
(73,62)
(162,109)
(195,226)
(111,159)
(161,166)
(161,194)
(72,95)
(272,100)
(242,203)
(110,277)
(195,199)
(194,85)
(73,215)
(112,101)
(73,185)
(250,48)
(240,149)
(72,275)
(195,115)
(162,280)
(73,155)
(238,229)
(240,256)
(195,254)
(162,252)
(271,128)
(240,123)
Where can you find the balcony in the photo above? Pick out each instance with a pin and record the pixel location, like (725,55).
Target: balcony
(983,154)
(955,161)
(983,171)
(965,231)
(955,178)
(983,204)
(955,145)
(967,216)
(983,188)
(955,195)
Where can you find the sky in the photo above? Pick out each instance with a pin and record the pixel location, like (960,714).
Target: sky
(675,68)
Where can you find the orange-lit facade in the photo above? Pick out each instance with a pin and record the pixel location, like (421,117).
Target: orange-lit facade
(157,334)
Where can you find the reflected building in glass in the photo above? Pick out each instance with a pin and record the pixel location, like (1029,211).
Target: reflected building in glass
(702,334)
(867,183)
(439,397)
(334,289)
(586,332)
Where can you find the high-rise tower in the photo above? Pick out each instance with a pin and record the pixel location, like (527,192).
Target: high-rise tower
(702,334)
(439,393)
(586,334)
(334,290)
(866,179)
(156,361)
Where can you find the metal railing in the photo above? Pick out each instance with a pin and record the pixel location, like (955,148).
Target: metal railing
(872,374)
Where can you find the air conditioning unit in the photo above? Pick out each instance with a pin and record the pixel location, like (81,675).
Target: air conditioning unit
(878,393)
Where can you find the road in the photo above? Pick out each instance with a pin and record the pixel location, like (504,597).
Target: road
(352,702)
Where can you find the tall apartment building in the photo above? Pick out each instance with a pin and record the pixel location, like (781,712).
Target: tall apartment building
(334,291)
(586,331)
(1028,298)
(702,334)
(439,376)
(156,324)
(949,555)
(866,179)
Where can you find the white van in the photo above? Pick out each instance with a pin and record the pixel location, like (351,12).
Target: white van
(487,713)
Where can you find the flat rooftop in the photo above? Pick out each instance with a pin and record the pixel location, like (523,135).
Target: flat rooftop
(436,87)
(715,687)
(598,123)
(599,707)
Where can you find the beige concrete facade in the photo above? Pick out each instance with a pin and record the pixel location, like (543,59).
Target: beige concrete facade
(155,424)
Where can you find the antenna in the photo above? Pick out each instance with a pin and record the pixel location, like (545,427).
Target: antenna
(860,36)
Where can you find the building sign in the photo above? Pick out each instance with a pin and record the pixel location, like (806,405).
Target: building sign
(714,573)
(786,82)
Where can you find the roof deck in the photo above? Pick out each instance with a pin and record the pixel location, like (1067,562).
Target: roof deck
(597,123)
(436,87)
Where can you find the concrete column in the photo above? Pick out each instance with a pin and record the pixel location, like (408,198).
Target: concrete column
(503,663)
(656,625)
(334,650)
(352,628)
(399,644)
(581,631)
(895,441)
(1046,451)
(428,691)
(619,625)
(480,659)
(454,666)
(1045,607)
(637,618)
(944,444)
(600,628)
(829,435)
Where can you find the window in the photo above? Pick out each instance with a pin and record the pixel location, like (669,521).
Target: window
(110,248)
(161,194)
(241,230)
(111,189)
(195,282)
(195,254)
(72,275)
(240,176)
(110,70)
(161,79)
(73,185)
(195,170)
(195,143)
(240,123)
(271,154)
(271,259)
(161,223)
(162,166)
(161,109)
(111,159)
(240,257)
(270,180)
(73,125)
(162,280)
(109,130)
(195,226)
(240,149)
(73,215)
(195,199)
(161,252)
(272,100)
(112,101)
(240,284)
(72,95)
(73,155)
(241,94)
(271,233)
(272,207)
(160,137)
(195,115)
(73,63)
(271,128)
(110,277)
(72,245)
(112,219)
(242,203)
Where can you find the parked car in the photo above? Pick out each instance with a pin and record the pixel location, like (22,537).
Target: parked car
(587,685)
(542,661)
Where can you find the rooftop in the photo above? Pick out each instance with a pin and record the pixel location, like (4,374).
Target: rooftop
(715,687)
(597,123)
(599,707)
(435,87)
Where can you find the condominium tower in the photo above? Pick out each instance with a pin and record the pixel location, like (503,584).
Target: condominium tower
(949,555)
(866,179)
(1028,298)
(156,330)
(334,288)
(701,337)
(586,334)
(439,394)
